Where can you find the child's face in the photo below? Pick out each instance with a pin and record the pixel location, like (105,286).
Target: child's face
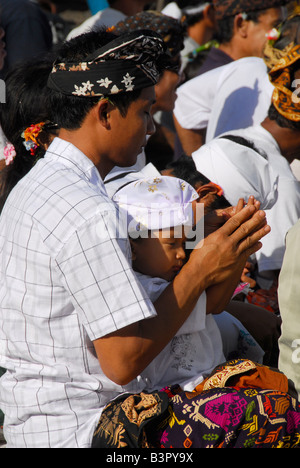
(160,255)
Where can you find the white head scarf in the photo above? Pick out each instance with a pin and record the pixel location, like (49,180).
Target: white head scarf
(156,203)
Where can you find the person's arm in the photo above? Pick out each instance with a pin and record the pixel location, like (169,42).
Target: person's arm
(124,354)
(190,139)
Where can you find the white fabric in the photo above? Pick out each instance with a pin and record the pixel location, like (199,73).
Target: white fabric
(286,211)
(295,166)
(234,96)
(156,203)
(107,17)
(239,170)
(192,354)
(138,166)
(237,341)
(60,264)
(173,10)
(245,176)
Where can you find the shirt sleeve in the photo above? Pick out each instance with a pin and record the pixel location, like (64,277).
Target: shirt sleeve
(99,278)
(195,99)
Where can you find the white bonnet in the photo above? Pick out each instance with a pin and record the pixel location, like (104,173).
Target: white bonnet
(156,203)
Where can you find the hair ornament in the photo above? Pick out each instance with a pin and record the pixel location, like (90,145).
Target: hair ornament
(273,35)
(9,154)
(30,135)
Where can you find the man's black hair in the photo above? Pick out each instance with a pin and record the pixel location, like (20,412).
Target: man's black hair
(184,168)
(282,121)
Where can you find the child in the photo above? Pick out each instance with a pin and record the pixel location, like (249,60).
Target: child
(160,214)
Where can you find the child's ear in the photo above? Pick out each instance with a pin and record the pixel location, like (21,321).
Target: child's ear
(207,191)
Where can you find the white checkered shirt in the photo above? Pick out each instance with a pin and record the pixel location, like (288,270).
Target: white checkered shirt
(65,282)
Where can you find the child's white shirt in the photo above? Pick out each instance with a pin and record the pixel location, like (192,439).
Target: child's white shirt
(194,351)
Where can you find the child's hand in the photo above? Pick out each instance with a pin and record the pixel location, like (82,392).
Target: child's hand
(231,211)
(216,218)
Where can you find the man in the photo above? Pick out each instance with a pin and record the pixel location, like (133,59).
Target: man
(173,33)
(66,278)
(210,104)
(115,12)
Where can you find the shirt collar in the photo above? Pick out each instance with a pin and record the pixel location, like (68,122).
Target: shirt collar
(69,155)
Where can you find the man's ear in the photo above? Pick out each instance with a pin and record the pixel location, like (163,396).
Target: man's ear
(103,109)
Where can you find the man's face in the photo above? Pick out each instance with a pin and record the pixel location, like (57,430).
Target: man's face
(128,134)
(269,19)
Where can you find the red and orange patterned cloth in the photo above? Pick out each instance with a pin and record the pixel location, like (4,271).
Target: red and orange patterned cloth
(240,405)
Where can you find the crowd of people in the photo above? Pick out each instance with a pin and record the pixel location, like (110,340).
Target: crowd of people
(150,219)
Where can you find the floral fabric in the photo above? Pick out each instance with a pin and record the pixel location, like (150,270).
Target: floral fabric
(233,408)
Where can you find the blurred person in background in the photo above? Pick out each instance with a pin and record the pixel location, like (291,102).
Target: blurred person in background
(27,32)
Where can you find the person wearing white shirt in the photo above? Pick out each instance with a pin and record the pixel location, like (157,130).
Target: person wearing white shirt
(212,102)
(236,94)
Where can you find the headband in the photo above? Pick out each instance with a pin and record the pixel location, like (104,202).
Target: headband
(281,76)
(127,63)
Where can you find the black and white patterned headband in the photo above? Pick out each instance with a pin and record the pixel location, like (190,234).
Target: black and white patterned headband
(127,63)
